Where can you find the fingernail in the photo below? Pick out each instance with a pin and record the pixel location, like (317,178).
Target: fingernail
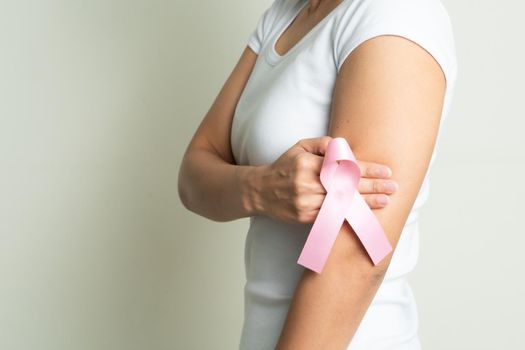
(383,200)
(391,186)
(384,172)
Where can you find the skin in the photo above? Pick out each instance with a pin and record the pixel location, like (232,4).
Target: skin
(390,91)
(236,191)
(387,104)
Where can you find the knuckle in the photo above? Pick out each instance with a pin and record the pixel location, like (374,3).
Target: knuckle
(301,209)
(380,200)
(364,168)
(300,203)
(302,161)
(302,141)
(325,139)
(296,186)
(303,218)
(299,218)
(376,186)
(298,161)
(297,215)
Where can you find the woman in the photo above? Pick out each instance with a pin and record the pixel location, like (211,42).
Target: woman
(379,73)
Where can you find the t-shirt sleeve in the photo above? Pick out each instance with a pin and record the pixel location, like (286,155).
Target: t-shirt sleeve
(264,23)
(425,22)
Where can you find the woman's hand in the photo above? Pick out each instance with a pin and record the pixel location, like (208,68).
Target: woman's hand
(290,190)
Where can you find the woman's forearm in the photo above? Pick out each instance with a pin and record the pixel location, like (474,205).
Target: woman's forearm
(327,308)
(216,189)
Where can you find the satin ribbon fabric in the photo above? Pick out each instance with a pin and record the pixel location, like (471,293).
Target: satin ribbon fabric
(340,176)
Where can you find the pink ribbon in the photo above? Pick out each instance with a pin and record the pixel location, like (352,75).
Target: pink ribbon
(340,176)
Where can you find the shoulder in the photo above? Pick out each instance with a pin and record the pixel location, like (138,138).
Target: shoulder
(425,22)
(431,12)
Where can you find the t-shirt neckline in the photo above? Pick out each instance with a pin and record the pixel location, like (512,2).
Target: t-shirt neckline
(272,57)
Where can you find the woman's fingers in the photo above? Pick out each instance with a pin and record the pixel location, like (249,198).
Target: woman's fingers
(372,183)
(377,186)
(315,162)
(374,170)
(315,145)
(376,201)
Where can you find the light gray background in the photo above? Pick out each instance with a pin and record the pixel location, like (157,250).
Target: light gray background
(98,100)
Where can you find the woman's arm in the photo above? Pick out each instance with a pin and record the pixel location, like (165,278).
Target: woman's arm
(387,104)
(210,183)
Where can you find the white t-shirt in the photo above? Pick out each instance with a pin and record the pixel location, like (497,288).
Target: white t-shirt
(287,98)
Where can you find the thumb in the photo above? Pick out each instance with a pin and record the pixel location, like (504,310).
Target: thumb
(315,145)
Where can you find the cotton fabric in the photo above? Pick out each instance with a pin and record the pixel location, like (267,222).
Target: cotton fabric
(287,98)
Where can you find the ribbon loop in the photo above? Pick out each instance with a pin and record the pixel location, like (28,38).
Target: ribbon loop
(340,176)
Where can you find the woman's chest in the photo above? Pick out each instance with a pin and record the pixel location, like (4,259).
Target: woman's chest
(283,102)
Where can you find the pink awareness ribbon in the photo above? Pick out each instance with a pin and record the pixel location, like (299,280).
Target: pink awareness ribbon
(340,176)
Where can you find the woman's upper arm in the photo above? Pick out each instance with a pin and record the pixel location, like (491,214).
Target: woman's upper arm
(213,133)
(387,104)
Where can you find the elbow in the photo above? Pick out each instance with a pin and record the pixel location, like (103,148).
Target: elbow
(182,189)
(183,196)
(188,200)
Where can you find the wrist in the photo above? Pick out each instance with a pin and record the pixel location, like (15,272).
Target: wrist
(251,189)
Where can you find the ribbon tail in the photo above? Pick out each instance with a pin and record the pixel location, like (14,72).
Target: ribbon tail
(325,230)
(368,229)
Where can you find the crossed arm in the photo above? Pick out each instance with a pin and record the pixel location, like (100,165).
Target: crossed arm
(387,104)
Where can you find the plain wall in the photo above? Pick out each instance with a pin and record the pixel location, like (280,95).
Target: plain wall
(98,100)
